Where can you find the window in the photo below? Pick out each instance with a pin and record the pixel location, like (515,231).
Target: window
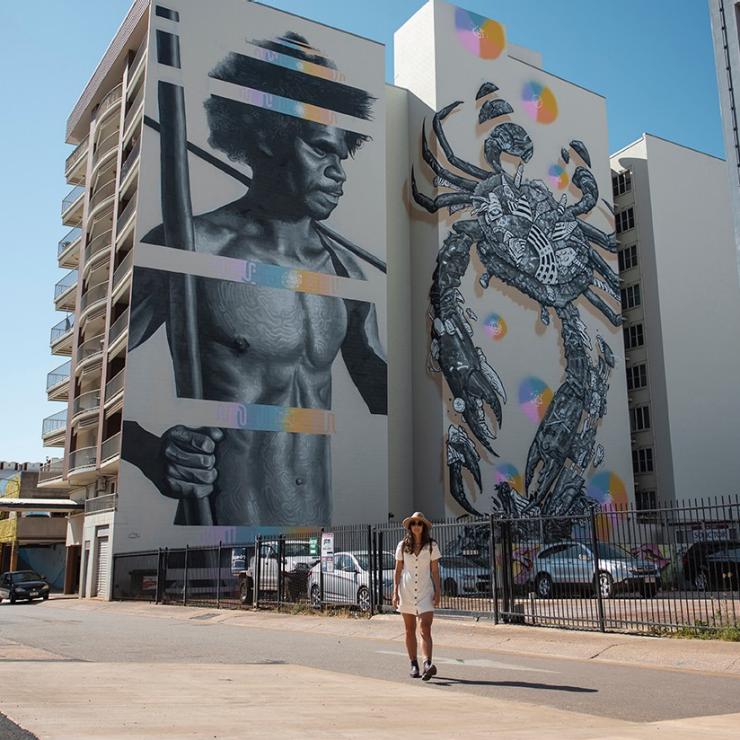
(639,418)
(625,219)
(627,257)
(631,296)
(634,336)
(621,182)
(637,377)
(646,500)
(642,460)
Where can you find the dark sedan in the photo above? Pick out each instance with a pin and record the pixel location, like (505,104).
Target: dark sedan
(713,565)
(23,584)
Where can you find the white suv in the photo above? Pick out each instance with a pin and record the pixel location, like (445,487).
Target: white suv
(297,561)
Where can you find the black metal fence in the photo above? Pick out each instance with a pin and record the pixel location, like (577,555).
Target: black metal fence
(618,569)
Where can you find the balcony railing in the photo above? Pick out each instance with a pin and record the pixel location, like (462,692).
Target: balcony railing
(134,66)
(67,282)
(65,326)
(125,215)
(67,241)
(52,470)
(110,448)
(108,144)
(107,502)
(86,402)
(130,160)
(108,102)
(102,193)
(83,458)
(122,269)
(54,423)
(74,158)
(114,385)
(90,348)
(58,375)
(133,109)
(72,197)
(98,244)
(93,295)
(118,327)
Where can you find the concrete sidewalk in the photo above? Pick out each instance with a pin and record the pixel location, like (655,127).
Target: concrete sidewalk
(707,656)
(60,697)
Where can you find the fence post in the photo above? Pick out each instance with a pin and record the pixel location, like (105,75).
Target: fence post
(218,578)
(164,578)
(185,580)
(379,563)
(257,573)
(506,606)
(492,563)
(159,568)
(597,584)
(280,570)
(370,570)
(321,569)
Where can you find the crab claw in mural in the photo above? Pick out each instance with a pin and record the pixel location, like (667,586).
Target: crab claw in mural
(461,453)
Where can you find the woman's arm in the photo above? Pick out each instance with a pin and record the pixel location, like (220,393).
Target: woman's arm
(435,580)
(396,581)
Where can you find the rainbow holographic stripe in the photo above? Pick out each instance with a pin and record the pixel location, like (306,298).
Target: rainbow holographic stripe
(298,65)
(258,417)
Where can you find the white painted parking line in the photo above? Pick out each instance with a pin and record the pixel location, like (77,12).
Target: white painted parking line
(474,662)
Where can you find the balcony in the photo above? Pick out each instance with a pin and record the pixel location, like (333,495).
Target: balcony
(57,382)
(125,216)
(131,160)
(114,387)
(86,404)
(110,101)
(54,428)
(98,245)
(133,112)
(106,502)
(102,197)
(136,65)
(81,462)
(118,330)
(38,529)
(51,474)
(110,449)
(76,164)
(123,270)
(89,350)
(72,206)
(64,292)
(104,148)
(92,297)
(62,335)
(68,250)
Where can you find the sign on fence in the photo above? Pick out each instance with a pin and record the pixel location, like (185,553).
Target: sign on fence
(327,552)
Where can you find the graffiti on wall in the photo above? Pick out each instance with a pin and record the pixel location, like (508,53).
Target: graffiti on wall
(259,338)
(542,246)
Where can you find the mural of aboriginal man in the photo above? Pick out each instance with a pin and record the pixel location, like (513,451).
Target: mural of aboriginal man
(258,345)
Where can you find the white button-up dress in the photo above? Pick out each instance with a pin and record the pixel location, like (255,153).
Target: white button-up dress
(416,588)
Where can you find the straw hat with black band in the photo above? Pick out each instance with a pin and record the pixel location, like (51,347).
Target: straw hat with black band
(416,515)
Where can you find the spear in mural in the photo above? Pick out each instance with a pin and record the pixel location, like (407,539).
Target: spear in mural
(179,232)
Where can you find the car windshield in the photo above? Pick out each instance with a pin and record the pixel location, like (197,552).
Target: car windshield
(297,549)
(612,551)
(25,575)
(389,562)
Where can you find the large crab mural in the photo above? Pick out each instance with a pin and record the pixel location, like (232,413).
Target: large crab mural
(545,249)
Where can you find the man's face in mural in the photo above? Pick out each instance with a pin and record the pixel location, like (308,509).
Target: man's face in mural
(311,174)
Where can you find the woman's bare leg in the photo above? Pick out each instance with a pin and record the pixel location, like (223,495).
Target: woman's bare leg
(409,622)
(426,635)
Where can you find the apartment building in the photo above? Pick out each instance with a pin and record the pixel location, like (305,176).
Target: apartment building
(222,379)
(681,305)
(725,19)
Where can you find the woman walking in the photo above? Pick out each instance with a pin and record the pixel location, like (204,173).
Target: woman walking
(416,589)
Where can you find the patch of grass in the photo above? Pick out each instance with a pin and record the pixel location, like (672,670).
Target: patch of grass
(328,611)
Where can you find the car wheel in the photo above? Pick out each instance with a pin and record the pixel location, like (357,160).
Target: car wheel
(543,585)
(363,599)
(449,587)
(606,585)
(12,598)
(649,592)
(245,592)
(45,597)
(315,597)
(701,581)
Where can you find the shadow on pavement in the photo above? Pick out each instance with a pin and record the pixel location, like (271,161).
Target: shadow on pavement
(448,681)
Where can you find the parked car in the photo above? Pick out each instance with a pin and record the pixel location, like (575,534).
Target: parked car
(461,576)
(23,584)
(348,581)
(297,561)
(713,565)
(572,564)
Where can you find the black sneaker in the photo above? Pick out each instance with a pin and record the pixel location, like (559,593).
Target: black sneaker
(429,670)
(414,672)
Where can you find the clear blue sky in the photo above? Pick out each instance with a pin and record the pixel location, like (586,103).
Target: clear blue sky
(652,59)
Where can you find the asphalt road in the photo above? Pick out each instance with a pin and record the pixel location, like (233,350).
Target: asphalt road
(600,689)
